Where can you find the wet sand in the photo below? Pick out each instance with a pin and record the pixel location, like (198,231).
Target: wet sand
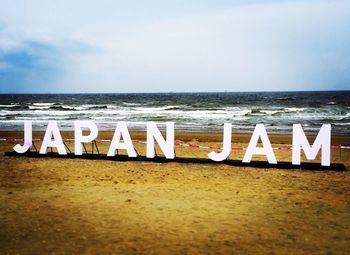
(73,206)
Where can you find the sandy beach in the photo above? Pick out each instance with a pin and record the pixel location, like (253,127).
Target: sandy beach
(275,71)
(73,206)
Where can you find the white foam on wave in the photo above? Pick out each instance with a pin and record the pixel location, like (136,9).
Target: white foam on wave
(43,104)
(342,124)
(38,107)
(130,104)
(8,105)
(294,109)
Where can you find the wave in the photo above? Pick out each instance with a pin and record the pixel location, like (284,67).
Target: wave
(272,111)
(294,109)
(130,104)
(18,107)
(8,105)
(173,108)
(99,107)
(38,107)
(255,112)
(78,108)
(170,107)
(286,98)
(65,108)
(44,104)
(342,124)
(331,103)
(202,111)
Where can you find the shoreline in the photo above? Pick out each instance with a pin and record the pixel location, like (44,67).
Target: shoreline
(337,139)
(247,130)
(193,145)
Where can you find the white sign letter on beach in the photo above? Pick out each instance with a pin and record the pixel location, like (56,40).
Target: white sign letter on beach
(226,145)
(27,138)
(79,138)
(52,131)
(323,141)
(121,131)
(267,150)
(167,146)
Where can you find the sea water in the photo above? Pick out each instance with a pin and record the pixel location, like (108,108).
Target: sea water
(190,111)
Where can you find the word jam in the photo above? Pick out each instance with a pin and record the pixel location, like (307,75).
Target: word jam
(122,141)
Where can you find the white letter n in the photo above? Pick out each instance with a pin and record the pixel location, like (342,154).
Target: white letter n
(167,146)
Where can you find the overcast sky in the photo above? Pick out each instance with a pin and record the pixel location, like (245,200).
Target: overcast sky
(173,46)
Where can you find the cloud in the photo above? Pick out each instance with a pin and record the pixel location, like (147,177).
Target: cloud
(290,45)
(28,64)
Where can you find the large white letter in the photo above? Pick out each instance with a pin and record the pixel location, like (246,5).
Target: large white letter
(167,146)
(53,131)
(79,138)
(323,141)
(226,145)
(121,131)
(267,150)
(27,139)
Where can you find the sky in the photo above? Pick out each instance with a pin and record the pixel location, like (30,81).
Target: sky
(108,46)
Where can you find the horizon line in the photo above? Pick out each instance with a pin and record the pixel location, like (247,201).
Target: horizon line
(172,92)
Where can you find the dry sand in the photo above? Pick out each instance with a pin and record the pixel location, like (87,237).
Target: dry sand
(73,206)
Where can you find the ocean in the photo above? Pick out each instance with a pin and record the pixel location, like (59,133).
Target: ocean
(190,111)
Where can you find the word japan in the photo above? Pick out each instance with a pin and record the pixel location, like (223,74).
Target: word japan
(122,141)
